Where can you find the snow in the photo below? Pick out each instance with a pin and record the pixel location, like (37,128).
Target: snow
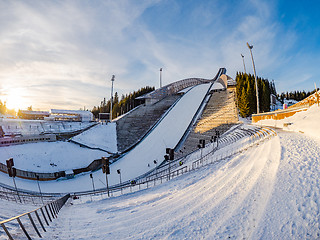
(166,134)
(11,209)
(101,136)
(304,122)
(217,86)
(270,191)
(47,157)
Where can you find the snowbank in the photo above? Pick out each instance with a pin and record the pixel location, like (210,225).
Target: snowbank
(48,157)
(304,122)
(100,136)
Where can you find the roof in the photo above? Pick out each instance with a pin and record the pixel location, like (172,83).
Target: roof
(35,112)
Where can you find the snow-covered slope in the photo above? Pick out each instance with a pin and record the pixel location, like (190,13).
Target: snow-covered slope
(100,136)
(47,157)
(271,191)
(307,122)
(139,160)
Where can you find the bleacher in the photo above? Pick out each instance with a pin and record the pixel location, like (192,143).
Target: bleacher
(219,114)
(134,125)
(32,127)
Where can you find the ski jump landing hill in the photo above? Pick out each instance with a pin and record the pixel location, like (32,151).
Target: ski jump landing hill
(185,107)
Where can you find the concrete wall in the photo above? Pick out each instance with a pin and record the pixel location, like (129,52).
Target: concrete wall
(94,165)
(276,115)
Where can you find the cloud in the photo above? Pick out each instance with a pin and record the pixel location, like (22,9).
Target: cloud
(63,53)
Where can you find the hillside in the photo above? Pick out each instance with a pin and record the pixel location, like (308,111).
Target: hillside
(270,191)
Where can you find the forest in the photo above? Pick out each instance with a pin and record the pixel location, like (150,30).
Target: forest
(246,94)
(123,105)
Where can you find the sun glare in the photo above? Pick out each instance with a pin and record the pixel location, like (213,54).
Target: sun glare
(14,99)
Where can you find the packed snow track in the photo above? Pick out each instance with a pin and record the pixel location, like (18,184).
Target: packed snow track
(270,191)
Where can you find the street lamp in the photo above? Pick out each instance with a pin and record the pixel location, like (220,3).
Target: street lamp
(160,77)
(112,80)
(244,66)
(255,76)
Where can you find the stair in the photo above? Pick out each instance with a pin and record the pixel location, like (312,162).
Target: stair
(219,114)
(136,124)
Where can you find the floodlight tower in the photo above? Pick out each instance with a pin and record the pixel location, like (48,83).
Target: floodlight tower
(160,77)
(112,80)
(255,76)
(244,66)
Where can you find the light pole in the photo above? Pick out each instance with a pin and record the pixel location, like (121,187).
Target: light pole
(160,77)
(112,80)
(244,66)
(119,172)
(91,176)
(255,77)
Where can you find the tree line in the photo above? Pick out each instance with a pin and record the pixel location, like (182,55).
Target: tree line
(296,95)
(4,110)
(123,105)
(246,94)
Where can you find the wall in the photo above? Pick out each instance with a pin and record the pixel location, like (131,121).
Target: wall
(277,115)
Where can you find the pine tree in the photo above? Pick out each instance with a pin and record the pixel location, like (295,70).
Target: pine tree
(244,104)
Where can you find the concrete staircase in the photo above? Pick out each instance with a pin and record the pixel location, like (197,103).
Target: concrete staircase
(219,114)
(136,124)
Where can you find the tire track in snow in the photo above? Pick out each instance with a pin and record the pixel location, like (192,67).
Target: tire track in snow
(208,200)
(187,207)
(294,207)
(249,208)
(190,196)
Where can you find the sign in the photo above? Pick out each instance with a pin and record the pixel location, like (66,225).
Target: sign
(10,164)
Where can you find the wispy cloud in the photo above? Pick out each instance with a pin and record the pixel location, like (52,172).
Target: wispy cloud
(63,53)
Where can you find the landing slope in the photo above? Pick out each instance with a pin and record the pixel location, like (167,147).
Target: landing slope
(140,159)
(268,192)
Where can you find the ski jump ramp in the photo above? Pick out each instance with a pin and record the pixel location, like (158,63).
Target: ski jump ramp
(166,134)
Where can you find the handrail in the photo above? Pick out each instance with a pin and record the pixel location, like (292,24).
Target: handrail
(51,209)
(251,133)
(149,131)
(177,170)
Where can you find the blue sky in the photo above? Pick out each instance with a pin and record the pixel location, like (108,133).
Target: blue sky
(62,54)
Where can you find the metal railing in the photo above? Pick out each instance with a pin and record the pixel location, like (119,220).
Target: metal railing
(35,220)
(248,136)
(165,173)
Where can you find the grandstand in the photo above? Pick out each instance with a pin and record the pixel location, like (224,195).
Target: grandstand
(57,115)
(33,115)
(220,113)
(71,115)
(134,125)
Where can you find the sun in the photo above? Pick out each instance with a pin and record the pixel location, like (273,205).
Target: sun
(14,99)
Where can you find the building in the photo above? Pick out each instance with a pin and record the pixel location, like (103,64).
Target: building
(57,115)
(71,115)
(33,115)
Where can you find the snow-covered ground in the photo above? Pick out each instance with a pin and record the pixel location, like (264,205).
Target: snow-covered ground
(47,157)
(101,136)
(271,191)
(136,162)
(268,192)
(306,122)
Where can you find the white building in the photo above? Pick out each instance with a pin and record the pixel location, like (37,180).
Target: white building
(71,115)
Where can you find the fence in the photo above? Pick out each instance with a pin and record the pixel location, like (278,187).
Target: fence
(243,138)
(174,169)
(42,216)
(26,197)
(277,115)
